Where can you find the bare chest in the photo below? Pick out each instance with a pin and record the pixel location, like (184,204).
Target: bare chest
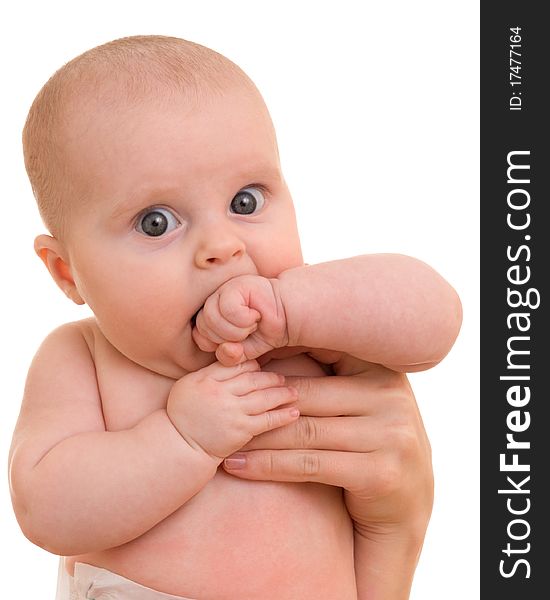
(129,392)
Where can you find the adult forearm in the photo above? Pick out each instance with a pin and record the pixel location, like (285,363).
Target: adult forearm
(384,308)
(97,490)
(385,568)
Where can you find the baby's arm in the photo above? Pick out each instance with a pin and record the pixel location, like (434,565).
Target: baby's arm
(382,308)
(77,488)
(388,309)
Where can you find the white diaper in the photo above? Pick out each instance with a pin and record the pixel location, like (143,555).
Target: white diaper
(93,583)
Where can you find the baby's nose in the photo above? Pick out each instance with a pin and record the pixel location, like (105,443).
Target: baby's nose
(219,249)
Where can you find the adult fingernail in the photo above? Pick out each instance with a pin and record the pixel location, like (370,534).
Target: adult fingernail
(234,462)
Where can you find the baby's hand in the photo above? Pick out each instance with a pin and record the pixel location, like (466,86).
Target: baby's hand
(242,320)
(219,409)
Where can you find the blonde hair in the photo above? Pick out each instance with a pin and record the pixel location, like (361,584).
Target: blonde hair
(135,68)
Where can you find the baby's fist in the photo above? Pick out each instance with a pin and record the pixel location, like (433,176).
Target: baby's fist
(242,320)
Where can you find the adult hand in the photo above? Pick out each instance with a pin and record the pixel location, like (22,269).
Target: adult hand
(363,433)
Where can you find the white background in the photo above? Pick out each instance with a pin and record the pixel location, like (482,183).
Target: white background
(376,109)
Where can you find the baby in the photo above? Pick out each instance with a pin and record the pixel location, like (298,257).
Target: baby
(155,166)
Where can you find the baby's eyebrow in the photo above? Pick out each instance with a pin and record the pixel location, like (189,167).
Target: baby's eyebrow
(142,198)
(255,174)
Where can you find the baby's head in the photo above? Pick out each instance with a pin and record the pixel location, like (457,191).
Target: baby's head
(155,167)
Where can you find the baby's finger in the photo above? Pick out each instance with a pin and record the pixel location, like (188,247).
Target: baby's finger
(260,401)
(233,307)
(254,381)
(203,328)
(230,353)
(203,342)
(273,419)
(215,325)
(221,330)
(221,373)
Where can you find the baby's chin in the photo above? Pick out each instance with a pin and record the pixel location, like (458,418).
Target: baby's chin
(186,362)
(174,365)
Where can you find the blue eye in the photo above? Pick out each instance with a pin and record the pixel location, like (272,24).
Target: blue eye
(156,222)
(248,201)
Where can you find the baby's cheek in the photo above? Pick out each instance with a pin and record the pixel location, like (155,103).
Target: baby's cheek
(279,259)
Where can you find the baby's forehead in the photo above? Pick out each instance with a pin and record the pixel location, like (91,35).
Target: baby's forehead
(114,115)
(115,98)
(188,70)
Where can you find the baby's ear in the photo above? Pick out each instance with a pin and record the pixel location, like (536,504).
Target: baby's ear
(53,254)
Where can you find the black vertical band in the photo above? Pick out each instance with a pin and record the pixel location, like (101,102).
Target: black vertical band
(515,267)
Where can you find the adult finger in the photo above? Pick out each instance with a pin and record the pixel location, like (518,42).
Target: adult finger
(351,470)
(340,395)
(325,433)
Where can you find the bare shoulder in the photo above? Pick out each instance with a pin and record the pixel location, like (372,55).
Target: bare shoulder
(76,334)
(62,365)
(61,395)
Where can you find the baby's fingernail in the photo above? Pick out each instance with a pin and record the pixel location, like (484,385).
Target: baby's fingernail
(294,412)
(234,462)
